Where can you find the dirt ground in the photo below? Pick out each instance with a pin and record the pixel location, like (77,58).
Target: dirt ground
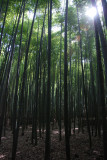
(79,146)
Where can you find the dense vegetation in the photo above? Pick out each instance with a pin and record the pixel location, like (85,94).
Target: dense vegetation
(53,69)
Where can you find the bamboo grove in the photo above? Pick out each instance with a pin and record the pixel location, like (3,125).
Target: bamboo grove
(48,76)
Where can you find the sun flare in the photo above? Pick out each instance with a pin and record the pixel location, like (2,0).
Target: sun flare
(91,12)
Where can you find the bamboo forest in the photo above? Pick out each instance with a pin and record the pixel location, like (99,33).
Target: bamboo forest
(53,79)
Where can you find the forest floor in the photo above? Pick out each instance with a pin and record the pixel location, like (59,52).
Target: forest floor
(79,145)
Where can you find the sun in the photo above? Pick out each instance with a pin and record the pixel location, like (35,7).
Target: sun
(91,12)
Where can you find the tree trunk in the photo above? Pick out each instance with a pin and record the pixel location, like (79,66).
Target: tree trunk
(60,136)
(3,94)
(47,141)
(37,77)
(104,4)
(1,3)
(102,38)
(84,89)
(3,25)
(67,139)
(21,100)
(102,92)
